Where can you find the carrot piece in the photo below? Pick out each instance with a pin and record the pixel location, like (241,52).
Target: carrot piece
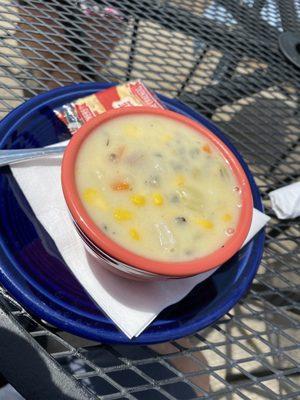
(206,148)
(118,186)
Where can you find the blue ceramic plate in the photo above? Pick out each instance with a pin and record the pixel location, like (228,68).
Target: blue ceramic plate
(32,269)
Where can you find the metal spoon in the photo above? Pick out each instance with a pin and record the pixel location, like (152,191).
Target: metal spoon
(17,155)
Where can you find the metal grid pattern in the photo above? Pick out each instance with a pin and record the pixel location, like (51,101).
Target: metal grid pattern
(222,58)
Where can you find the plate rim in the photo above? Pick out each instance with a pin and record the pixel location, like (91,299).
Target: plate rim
(255,247)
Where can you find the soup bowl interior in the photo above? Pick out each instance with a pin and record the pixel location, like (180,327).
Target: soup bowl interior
(119,253)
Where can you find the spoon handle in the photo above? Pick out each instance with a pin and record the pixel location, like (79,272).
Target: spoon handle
(17,155)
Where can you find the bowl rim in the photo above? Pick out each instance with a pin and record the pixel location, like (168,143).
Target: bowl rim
(120,253)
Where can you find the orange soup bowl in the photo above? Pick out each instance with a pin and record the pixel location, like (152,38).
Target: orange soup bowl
(109,253)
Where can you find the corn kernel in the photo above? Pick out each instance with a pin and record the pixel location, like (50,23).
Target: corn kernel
(180,180)
(134,234)
(227,217)
(138,200)
(167,137)
(205,223)
(131,130)
(157,199)
(94,198)
(121,214)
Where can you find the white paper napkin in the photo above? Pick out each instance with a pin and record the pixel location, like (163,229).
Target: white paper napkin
(285,201)
(132,305)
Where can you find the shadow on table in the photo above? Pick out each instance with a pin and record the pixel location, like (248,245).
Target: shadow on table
(9,393)
(130,367)
(269,141)
(146,362)
(60,43)
(26,370)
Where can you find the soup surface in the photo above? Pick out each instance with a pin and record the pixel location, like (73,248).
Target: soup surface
(157,188)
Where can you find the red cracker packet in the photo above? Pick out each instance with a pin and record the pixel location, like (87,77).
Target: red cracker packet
(130,94)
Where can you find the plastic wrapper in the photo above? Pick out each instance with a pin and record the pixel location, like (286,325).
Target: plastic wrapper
(130,94)
(285,201)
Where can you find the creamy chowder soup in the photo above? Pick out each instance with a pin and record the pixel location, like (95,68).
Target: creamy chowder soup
(157,187)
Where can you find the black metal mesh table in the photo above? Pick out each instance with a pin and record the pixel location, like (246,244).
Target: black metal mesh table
(223,58)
